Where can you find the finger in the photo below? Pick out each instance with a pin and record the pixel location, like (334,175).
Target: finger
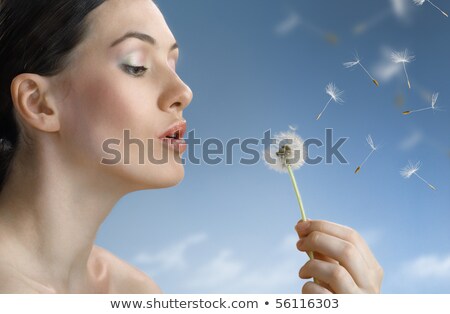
(342,251)
(324,258)
(339,231)
(313,288)
(323,284)
(336,276)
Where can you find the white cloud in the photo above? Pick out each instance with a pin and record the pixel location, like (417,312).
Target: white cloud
(273,271)
(225,273)
(288,24)
(221,269)
(429,267)
(171,258)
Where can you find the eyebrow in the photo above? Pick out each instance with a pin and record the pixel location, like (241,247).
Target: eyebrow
(141,36)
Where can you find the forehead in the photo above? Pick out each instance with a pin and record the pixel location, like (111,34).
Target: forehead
(114,18)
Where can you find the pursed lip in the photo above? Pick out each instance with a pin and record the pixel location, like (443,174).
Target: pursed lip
(178,127)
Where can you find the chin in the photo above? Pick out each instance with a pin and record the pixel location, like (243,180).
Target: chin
(162,178)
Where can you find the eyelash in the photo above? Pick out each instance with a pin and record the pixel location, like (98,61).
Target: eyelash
(133,68)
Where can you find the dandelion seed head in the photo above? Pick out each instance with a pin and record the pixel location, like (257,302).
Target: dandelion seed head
(419,2)
(434,99)
(401,56)
(287,148)
(334,92)
(410,169)
(371,143)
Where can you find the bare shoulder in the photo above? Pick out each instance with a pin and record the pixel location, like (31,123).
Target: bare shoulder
(123,277)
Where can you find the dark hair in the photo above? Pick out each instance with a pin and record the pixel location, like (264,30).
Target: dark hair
(36,36)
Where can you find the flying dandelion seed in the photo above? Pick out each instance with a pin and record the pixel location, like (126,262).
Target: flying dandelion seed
(402,57)
(330,37)
(399,100)
(433,106)
(421,2)
(356,62)
(286,154)
(399,9)
(373,147)
(335,95)
(385,70)
(411,170)
(434,99)
(294,20)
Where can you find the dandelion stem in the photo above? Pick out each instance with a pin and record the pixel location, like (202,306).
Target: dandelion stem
(423,109)
(367,158)
(407,77)
(437,8)
(297,193)
(365,70)
(431,186)
(300,203)
(320,115)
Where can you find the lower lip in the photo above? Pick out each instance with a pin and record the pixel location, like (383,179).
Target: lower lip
(178,145)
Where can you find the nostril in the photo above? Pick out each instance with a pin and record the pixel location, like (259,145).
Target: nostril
(176,105)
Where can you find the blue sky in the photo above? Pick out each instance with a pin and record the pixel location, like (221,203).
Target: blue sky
(256,65)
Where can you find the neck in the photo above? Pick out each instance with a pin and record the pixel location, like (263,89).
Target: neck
(50,212)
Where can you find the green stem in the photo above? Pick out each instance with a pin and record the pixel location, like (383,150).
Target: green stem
(297,193)
(300,203)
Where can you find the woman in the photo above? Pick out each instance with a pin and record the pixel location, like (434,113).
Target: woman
(74,75)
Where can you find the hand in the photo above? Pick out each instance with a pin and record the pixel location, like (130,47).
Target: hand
(343,262)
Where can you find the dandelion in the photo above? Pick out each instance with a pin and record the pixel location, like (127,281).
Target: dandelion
(335,95)
(373,147)
(421,2)
(287,152)
(402,57)
(433,106)
(285,155)
(356,62)
(411,170)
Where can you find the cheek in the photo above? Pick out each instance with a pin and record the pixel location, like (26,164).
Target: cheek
(100,108)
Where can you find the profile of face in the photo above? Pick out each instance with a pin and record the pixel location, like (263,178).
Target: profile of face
(113,84)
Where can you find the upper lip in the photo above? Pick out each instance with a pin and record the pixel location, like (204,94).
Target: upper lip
(178,128)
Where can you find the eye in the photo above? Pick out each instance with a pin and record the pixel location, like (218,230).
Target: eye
(136,71)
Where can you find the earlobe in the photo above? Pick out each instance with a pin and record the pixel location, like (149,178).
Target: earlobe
(29,94)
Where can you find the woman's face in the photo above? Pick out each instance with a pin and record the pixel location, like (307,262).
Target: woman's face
(131,85)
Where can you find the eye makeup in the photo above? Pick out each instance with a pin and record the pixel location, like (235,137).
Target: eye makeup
(133,60)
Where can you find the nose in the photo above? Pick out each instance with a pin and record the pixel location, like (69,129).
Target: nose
(177,95)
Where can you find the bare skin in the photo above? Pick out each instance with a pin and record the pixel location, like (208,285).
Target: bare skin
(59,193)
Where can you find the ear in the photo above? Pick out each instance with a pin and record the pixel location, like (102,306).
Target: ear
(30,95)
